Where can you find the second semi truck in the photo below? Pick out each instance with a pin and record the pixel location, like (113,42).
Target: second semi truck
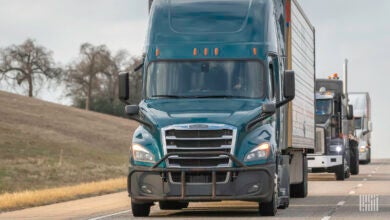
(222,116)
(336,149)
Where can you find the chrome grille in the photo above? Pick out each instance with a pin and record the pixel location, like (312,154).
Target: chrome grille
(199,138)
(320,141)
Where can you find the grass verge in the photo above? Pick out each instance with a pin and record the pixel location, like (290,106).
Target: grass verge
(20,200)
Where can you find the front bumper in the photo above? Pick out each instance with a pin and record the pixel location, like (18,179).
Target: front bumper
(323,161)
(152,184)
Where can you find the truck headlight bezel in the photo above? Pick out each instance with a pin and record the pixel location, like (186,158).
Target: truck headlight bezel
(141,154)
(261,151)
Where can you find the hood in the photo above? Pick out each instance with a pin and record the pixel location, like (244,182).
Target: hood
(235,112)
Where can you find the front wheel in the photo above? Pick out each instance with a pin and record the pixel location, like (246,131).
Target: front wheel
(340,172)
(354,166)
(269,208)
(140,210)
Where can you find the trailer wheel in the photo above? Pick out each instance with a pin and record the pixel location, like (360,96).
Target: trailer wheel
(170,205)
(354,166)
(140,210)
(300,190)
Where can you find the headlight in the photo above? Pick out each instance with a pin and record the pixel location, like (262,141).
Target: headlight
(337,148)
(362,149)
(141,154)
(259,152)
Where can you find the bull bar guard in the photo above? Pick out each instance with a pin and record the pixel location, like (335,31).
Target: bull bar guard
(183,197)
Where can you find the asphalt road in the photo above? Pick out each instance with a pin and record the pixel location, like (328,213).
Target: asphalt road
(328,199)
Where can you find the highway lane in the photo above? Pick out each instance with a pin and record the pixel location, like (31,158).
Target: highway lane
(328,199)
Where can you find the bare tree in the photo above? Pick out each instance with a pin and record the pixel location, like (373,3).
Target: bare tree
(119,62)
(122,62)
(135,80)
(27,63)
(84,75)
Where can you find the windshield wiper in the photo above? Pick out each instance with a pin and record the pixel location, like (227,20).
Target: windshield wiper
(218,96)
(168,96)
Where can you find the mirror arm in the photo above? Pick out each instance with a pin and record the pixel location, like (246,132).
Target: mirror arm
(284,102)
(139,67)
(261,118)
(264,116)
(143,122)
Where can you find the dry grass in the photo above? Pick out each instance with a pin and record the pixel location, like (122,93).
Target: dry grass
(12,201)
(45,145)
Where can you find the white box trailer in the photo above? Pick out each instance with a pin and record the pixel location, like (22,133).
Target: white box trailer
(301,56)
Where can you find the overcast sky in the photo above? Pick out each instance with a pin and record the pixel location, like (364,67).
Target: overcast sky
(355,29)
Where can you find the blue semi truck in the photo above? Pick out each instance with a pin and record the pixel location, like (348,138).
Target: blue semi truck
(223,116)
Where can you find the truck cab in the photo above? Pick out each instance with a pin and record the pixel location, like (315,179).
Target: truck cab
(336,148)
(214,116)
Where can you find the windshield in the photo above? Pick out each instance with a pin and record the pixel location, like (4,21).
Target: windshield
(324,107)
(206,79)
(358,123)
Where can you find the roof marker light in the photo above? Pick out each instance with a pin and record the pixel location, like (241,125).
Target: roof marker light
(255,51)
(206,51)
(216,51)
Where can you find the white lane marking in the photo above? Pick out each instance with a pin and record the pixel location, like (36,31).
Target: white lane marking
(341,203)
(369,175)
(359,185)
(365,179)
(351,192)
(326,218)
(110,215)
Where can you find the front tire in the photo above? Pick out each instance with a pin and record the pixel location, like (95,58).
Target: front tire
(140,210)
(339,171)
(270,208)
(354,167)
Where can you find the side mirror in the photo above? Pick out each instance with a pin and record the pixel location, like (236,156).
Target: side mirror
(124,87)
(350,112)
(289,84)
(132,110)
(269,108)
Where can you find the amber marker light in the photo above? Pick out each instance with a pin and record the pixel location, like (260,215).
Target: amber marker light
(157,52)
(206,51)
(216,51)
(255,51)
(195,52)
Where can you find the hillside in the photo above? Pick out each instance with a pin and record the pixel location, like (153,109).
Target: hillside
(44,145)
